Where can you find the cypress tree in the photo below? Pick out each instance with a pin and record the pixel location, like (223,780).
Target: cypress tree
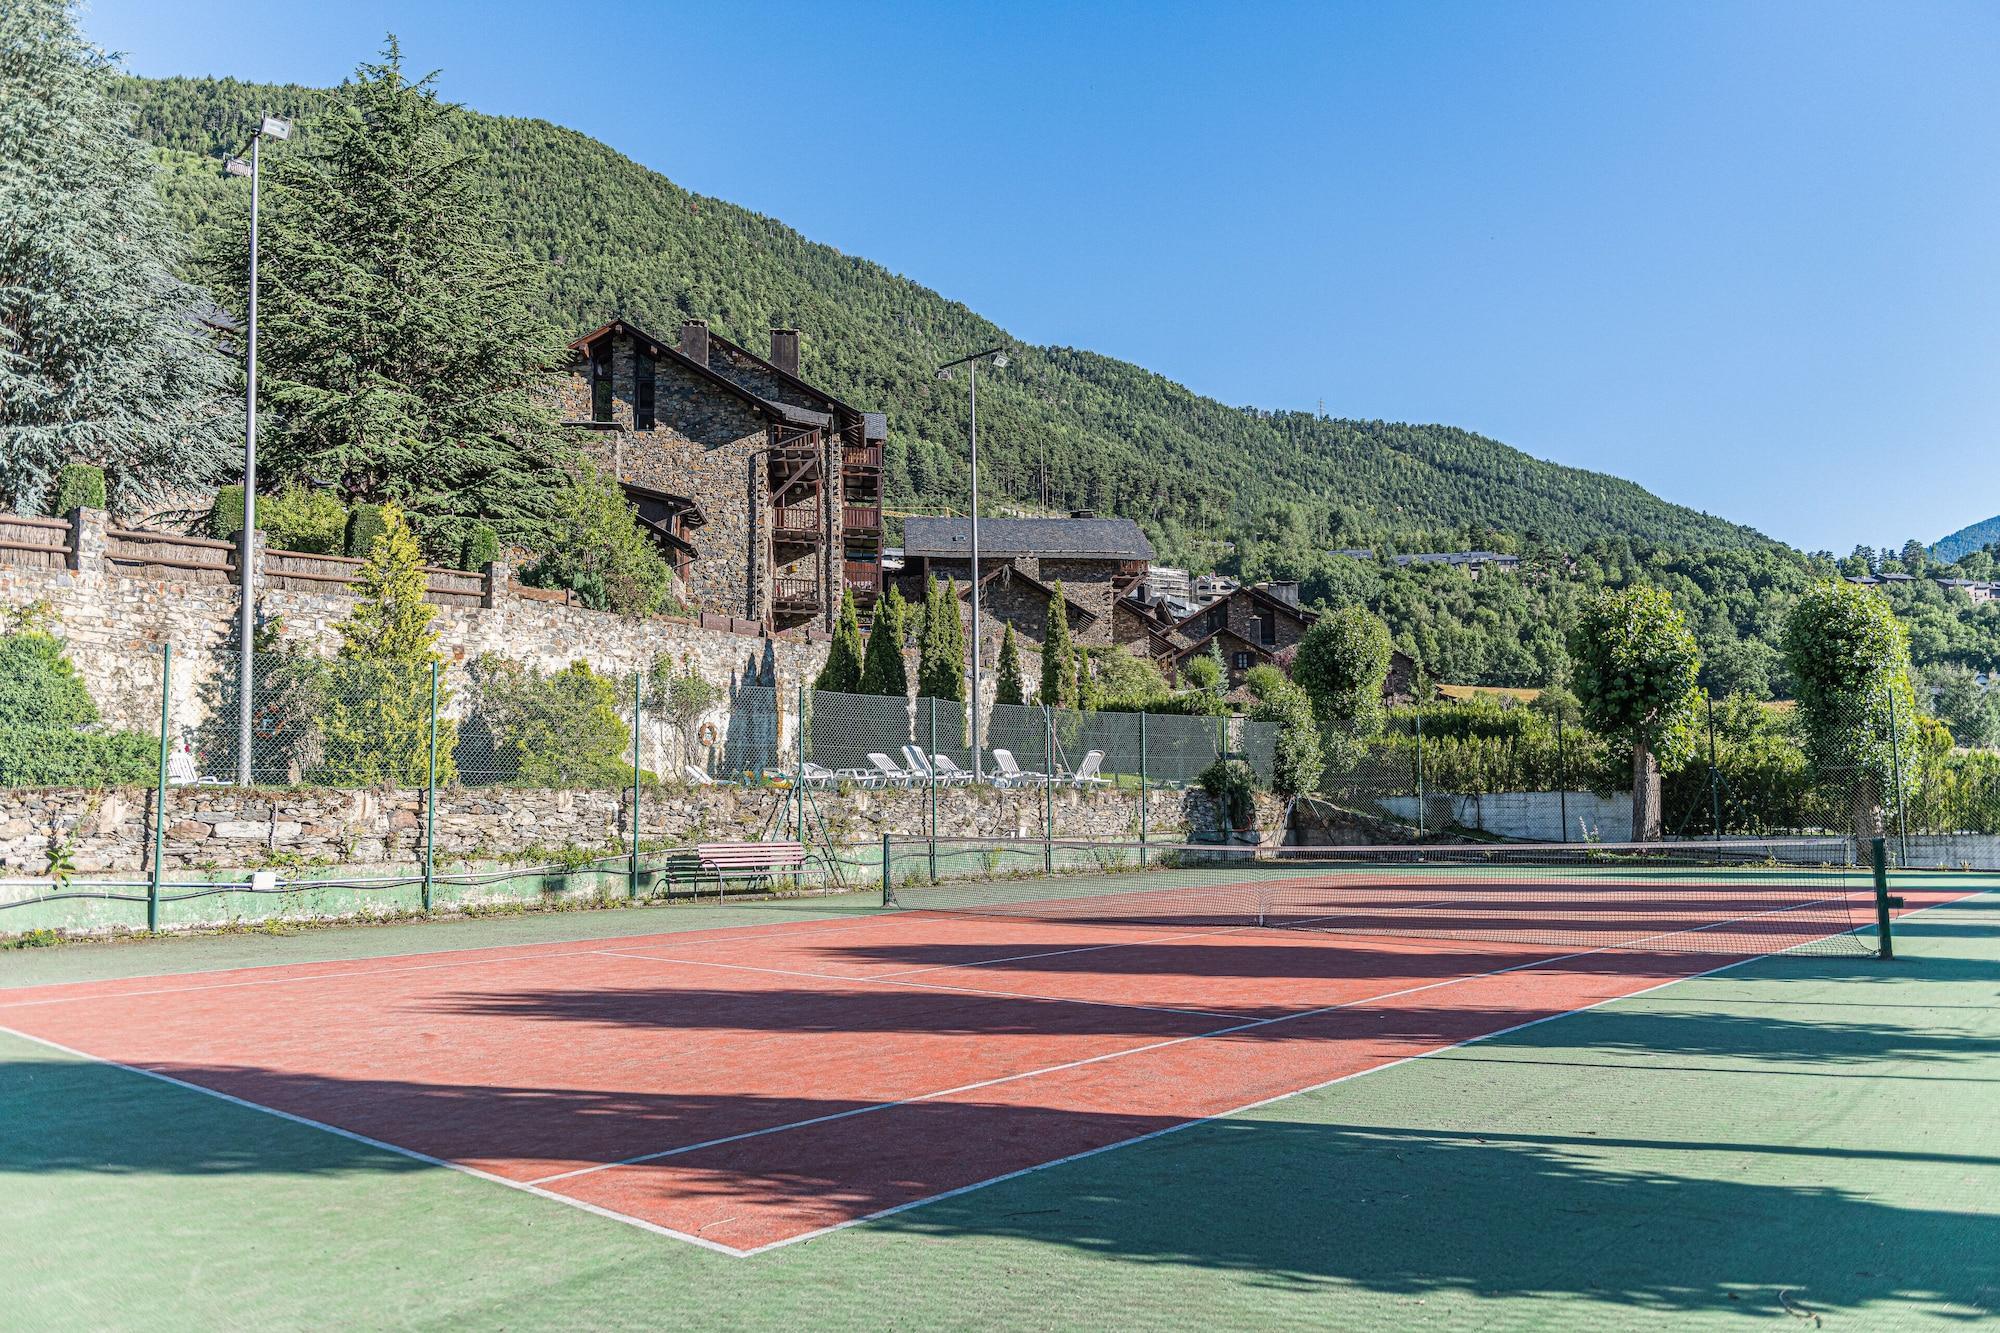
(398,356)
(882,669)
(1008,686)
(102,359)
(842,672)
(1058,654)
(941,660)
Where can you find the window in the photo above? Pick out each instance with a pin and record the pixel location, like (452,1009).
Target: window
(600,384)
(1241,661)
(642,393)
(1267,628)
(1218,617)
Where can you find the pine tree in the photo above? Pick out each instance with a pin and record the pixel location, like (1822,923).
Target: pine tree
(1007,685)
(398,357)
(1059,674)
(102,357)
(842,672)
(941,655)
(882,670)
(377,718)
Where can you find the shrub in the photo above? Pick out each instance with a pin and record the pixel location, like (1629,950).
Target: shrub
(364,525)
(1229,783)
(31,757)
(299,519)
(225,516)
(480,548)
(78,486)
(1296,762)
(556,730)
(596,550)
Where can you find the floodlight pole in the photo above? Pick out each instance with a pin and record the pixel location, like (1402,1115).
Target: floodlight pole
(246,681)
(971,364)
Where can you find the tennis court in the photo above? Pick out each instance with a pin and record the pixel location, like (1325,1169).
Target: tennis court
(750,1087)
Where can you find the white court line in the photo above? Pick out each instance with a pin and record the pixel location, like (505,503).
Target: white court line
(1234,1028)
(734,1252)
(937,988)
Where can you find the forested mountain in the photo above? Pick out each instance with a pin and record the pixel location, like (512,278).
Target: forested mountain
(622,240)
(1967,540)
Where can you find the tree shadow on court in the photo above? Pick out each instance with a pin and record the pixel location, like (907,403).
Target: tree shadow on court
(1653,1225)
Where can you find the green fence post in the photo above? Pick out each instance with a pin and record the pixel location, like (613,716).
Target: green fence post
(431,798)
(1562,780)
(1142,787)
(1048,790)
(1714,782)
(799,773)
(1896,773)
(1885,944)
(1420,774)
(931,769)
(888,883)
(160,792)
(638,722)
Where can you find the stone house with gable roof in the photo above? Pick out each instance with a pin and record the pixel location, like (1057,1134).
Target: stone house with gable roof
(763,490)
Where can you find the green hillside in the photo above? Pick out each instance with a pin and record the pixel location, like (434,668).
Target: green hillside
(620,239)
(1967,540)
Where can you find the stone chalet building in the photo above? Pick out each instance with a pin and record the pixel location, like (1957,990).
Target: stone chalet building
(763,491)
(1097,560)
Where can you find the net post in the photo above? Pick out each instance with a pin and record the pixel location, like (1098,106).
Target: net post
(931,769)
(1048,790)
(1885,944)
(1142,788)
(888,883)
(431,797)
(638,720)
(160,791)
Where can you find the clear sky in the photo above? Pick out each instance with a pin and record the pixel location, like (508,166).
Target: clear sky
(1743,253)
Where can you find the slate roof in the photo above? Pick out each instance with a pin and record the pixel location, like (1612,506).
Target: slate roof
(999,538)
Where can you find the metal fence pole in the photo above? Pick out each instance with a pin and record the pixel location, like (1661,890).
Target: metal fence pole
(1714,780)
(431,797)
(798,800)
(1562,780)
(160,791)
(1048,789)
(1142,788)
(1896,773)
(638,722)
(1420,773)
(888,882)
(931,769)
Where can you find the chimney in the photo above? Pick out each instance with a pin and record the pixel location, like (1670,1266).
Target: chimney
(785,350)
(1286,591)
(694,340)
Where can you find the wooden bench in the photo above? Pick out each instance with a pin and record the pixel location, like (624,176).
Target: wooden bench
(754,861)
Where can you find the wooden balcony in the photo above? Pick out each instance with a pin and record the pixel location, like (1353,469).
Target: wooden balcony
(860,456)
(797,525)
(864,579)
(795,595)
(861,518)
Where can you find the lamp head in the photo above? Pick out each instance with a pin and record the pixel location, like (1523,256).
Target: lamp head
(236,166)
(999,360)
(275,127)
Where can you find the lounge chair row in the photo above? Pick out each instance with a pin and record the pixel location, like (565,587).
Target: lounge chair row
(921,770)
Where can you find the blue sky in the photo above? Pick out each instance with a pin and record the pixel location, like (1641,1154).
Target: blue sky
(1741,253)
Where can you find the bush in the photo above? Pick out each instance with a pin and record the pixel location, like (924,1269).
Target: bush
(298,519)
(39,688)
(597,550)
(364,525)
(1230,783)
(1296,760)
(78,486)
(225,516)
(480,548)
(31,757)
(536,730)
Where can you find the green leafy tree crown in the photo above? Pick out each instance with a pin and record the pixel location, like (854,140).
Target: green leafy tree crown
(1008,686)
(842,672)
(1637,669)
(1341,663)
(882,670)
(941,652)
(1059,656)
(1850,660)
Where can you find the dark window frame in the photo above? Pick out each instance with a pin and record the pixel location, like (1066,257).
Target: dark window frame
(603,403)
(644,400)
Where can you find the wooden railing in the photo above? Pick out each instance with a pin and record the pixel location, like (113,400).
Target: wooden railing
(40,543)
(861,518)
(861,455)
(795,591)
(170,555)
(796,521)
(863,576)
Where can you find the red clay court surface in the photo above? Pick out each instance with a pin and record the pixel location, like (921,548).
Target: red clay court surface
(750,1087)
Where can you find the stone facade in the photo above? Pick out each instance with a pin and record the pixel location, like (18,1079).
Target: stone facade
(228,831)
(114,617)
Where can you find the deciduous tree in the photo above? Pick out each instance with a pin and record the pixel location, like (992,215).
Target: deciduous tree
(1637,672)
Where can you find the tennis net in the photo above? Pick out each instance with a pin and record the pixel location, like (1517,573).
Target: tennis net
(1740,897)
